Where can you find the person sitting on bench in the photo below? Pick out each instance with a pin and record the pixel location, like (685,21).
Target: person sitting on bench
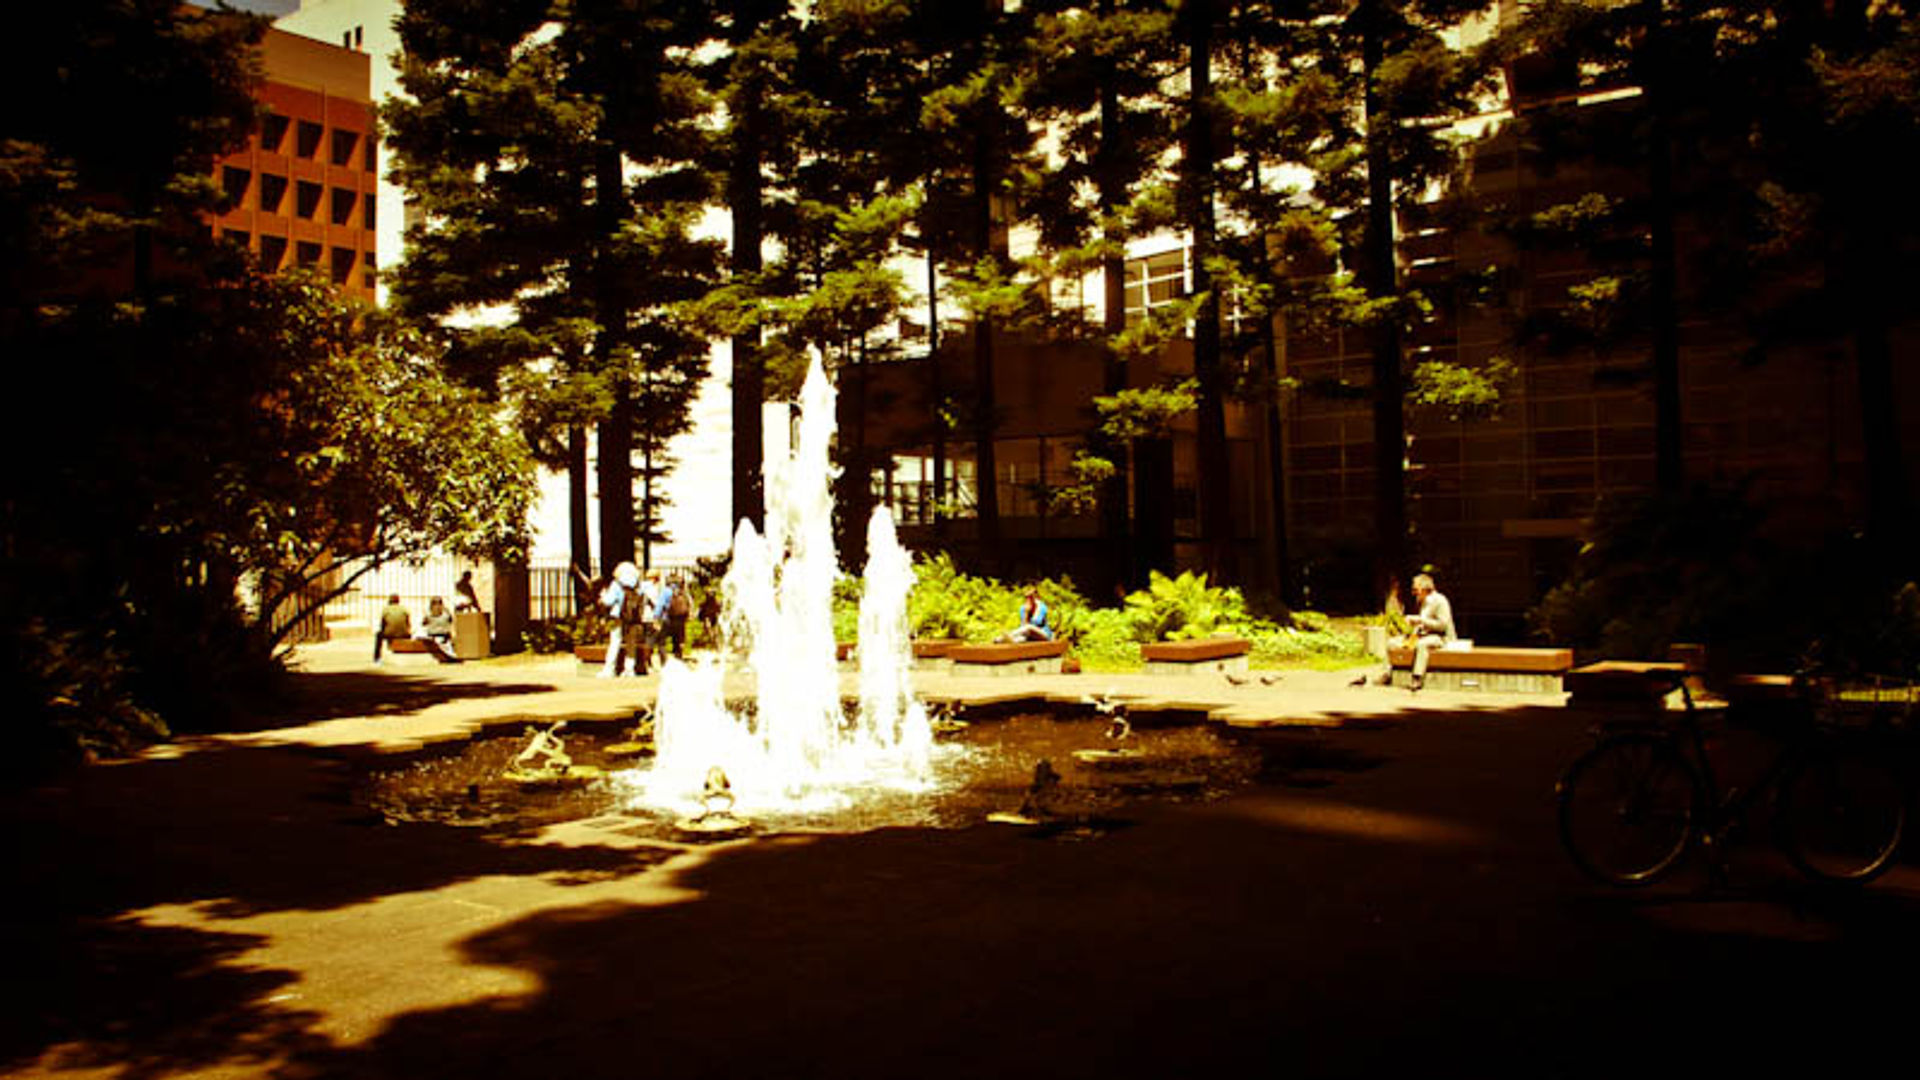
(395,623)
(1432,626)
(1033,621)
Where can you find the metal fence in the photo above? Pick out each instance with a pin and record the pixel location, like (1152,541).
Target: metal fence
(550,590)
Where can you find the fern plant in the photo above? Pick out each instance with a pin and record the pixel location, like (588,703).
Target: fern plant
(1182,608)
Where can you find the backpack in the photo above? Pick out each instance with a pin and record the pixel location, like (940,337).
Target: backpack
(678,607)
(633,608)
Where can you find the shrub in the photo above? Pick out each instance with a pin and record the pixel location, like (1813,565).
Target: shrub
(1182,608)
(76,684)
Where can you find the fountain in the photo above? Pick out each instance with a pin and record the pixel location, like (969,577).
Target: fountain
(1119,729)
(762,734)
(790,744)
(545,762)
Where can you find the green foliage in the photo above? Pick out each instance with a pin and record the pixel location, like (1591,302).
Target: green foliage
(589,627)
(1184,607)
(77,682)
(1145,411)
(1459,390)
(946,603)
(1717,567)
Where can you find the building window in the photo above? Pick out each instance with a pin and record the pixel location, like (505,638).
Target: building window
(343,144)
(234,183)
(306,199)
(367,159)
(273,132)
(306,253)
(343,203)
(237,237)
(1154,281)
(273,252)
(367,270)
(366,211)
(342,265)
(306,139)
(273,191)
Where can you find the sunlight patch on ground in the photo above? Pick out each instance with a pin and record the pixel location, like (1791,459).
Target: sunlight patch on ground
(1360,822)
(357,967)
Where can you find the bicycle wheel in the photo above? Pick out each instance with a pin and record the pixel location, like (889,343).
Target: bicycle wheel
(1627,809)
(1841,816)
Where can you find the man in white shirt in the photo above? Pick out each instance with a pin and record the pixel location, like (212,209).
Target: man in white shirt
(1432,627)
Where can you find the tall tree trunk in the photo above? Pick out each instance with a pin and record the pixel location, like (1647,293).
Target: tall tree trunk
(745,198)
(1115,528)
(1669,459)
(1889,509)
(936,398)
(615,465)
(986,470)
(1381,277)
(1277,467)
(579,541)
(647,518)
(1214,481)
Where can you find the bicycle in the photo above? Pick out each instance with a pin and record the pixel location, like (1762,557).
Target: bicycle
(1635,804)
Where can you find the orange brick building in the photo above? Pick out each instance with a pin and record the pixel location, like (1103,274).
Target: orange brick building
(301,192)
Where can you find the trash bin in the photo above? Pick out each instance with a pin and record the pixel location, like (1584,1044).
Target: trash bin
(471,639)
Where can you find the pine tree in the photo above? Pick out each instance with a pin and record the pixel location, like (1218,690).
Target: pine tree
(1094,76)
(555,151)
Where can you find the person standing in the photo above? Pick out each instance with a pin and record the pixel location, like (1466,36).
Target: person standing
(710,617)
(626,577)
(1432,626)
(678,606)
(395,622)
(469,599)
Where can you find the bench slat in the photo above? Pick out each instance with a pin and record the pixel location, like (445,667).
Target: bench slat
(1196,650)
(1489,658)
(1007,652)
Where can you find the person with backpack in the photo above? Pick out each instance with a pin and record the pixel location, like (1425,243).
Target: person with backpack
(677,606)
(634,638)
(613,601)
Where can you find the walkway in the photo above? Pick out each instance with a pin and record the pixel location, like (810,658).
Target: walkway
(1388,898)
(415,706)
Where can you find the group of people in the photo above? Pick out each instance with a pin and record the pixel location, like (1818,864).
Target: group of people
(436,629)
(648,613)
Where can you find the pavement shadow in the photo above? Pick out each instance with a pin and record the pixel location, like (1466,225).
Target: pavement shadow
(235,831)
(1413,913)
(1209,937)
(314,696)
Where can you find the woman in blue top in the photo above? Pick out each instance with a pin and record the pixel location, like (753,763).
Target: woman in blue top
(1033,621)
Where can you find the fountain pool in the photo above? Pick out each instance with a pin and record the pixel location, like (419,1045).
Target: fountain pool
(984,768)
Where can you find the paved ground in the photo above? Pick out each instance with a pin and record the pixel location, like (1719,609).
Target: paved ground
(1388,897)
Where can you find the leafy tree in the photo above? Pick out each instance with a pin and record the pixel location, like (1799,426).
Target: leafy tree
(973,148)
(1095,72)
(753,81)
(556,151)
(147,92)
(1839,231)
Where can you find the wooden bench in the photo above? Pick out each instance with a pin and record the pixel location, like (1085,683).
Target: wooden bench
(1211,655)
(934,654)
(1487,667)
(1650,684)
(1009,658)
(405,652)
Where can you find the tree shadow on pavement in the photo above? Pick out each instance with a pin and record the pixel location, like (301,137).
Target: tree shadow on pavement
(231,833)
(315,696)
(1210,938)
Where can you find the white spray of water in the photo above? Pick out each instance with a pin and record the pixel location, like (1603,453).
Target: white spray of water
(796,750)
